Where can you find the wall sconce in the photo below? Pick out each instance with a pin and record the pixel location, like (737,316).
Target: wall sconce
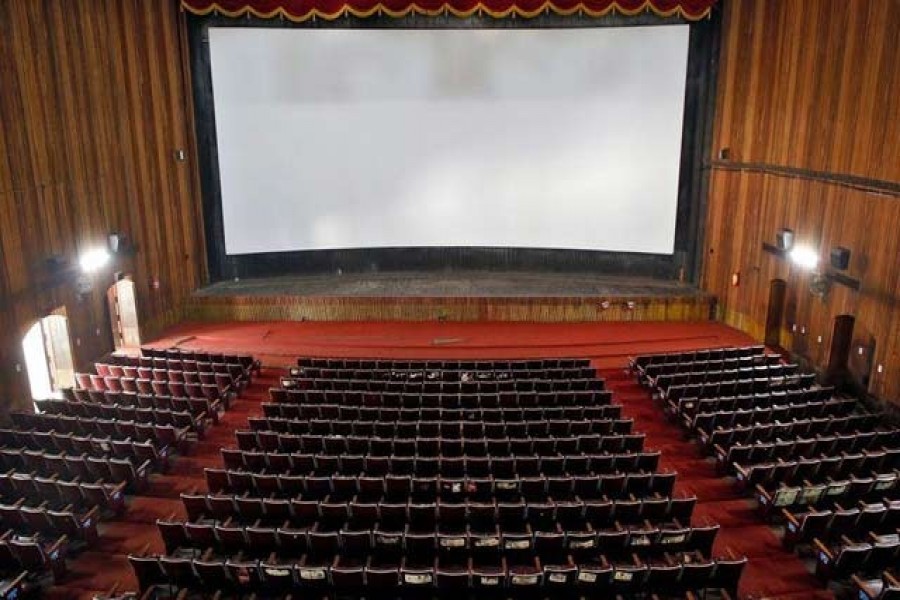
(630,305)
(785,239)
(605,305)
(114,240)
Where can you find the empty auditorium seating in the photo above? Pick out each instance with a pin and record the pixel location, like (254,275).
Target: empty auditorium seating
(443,400)
(821,463)
(197,407)
(35,554)
(185,419)
(347,412)
(57,491)
(885,587)
(36,517)
(424,477)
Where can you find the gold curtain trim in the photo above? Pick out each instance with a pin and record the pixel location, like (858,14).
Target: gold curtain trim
(446,8)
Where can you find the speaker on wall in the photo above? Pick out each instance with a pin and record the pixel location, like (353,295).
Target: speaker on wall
(840,258)
(785,239)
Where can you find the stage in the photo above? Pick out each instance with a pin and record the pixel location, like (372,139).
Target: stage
(472,296)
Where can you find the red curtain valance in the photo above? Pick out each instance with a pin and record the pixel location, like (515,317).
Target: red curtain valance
(301,10)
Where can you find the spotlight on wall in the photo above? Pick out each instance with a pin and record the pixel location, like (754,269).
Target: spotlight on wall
(630,305)
(605,305)
(805,257)
(94,259)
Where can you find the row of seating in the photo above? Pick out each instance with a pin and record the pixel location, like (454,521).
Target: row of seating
(388,364)
(86,469)
(852,434)
(179,370)
(830,524)
(342,412)
(446,466)
(88,445)
(443,401)
(227,377)
(641,361)
(745,386)
(219,388)
(684,409)
(375,577)
(28,519)
(761,373)
(194,406)
(162,436)
(868,554)
(358,541)
(109,497)
(794,472)
(448,388)
(825,495)
(649,374)
(434,447)
(367,487)
(734,417)
(443,375)
(883,587)
(246,360)
(35,554)
(876,457)
(119,412)
(443,429)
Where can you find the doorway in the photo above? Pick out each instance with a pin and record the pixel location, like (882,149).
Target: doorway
(123,315)
(841,342)
(48,356)
(775,312)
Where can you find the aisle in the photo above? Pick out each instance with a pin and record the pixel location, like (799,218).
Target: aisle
(771,572)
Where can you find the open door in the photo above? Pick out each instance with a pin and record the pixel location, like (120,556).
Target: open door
(48,357)
(775,312)
(123,315)
(841,342)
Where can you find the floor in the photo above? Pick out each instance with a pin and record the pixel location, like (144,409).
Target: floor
(771,573)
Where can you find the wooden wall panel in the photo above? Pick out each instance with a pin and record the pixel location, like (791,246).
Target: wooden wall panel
(94,102)
(809,106)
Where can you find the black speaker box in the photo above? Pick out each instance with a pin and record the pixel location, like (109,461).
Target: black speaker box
(840,258)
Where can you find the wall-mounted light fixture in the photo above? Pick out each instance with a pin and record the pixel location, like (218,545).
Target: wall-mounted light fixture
(94,259)
(807,258)
(785,238)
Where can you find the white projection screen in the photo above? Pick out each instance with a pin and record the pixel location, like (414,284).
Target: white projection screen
(530,138)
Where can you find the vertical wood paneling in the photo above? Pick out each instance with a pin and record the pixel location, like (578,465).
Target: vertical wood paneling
(92,108)
(811,85)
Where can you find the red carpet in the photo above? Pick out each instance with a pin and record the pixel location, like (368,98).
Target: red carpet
(771,572)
